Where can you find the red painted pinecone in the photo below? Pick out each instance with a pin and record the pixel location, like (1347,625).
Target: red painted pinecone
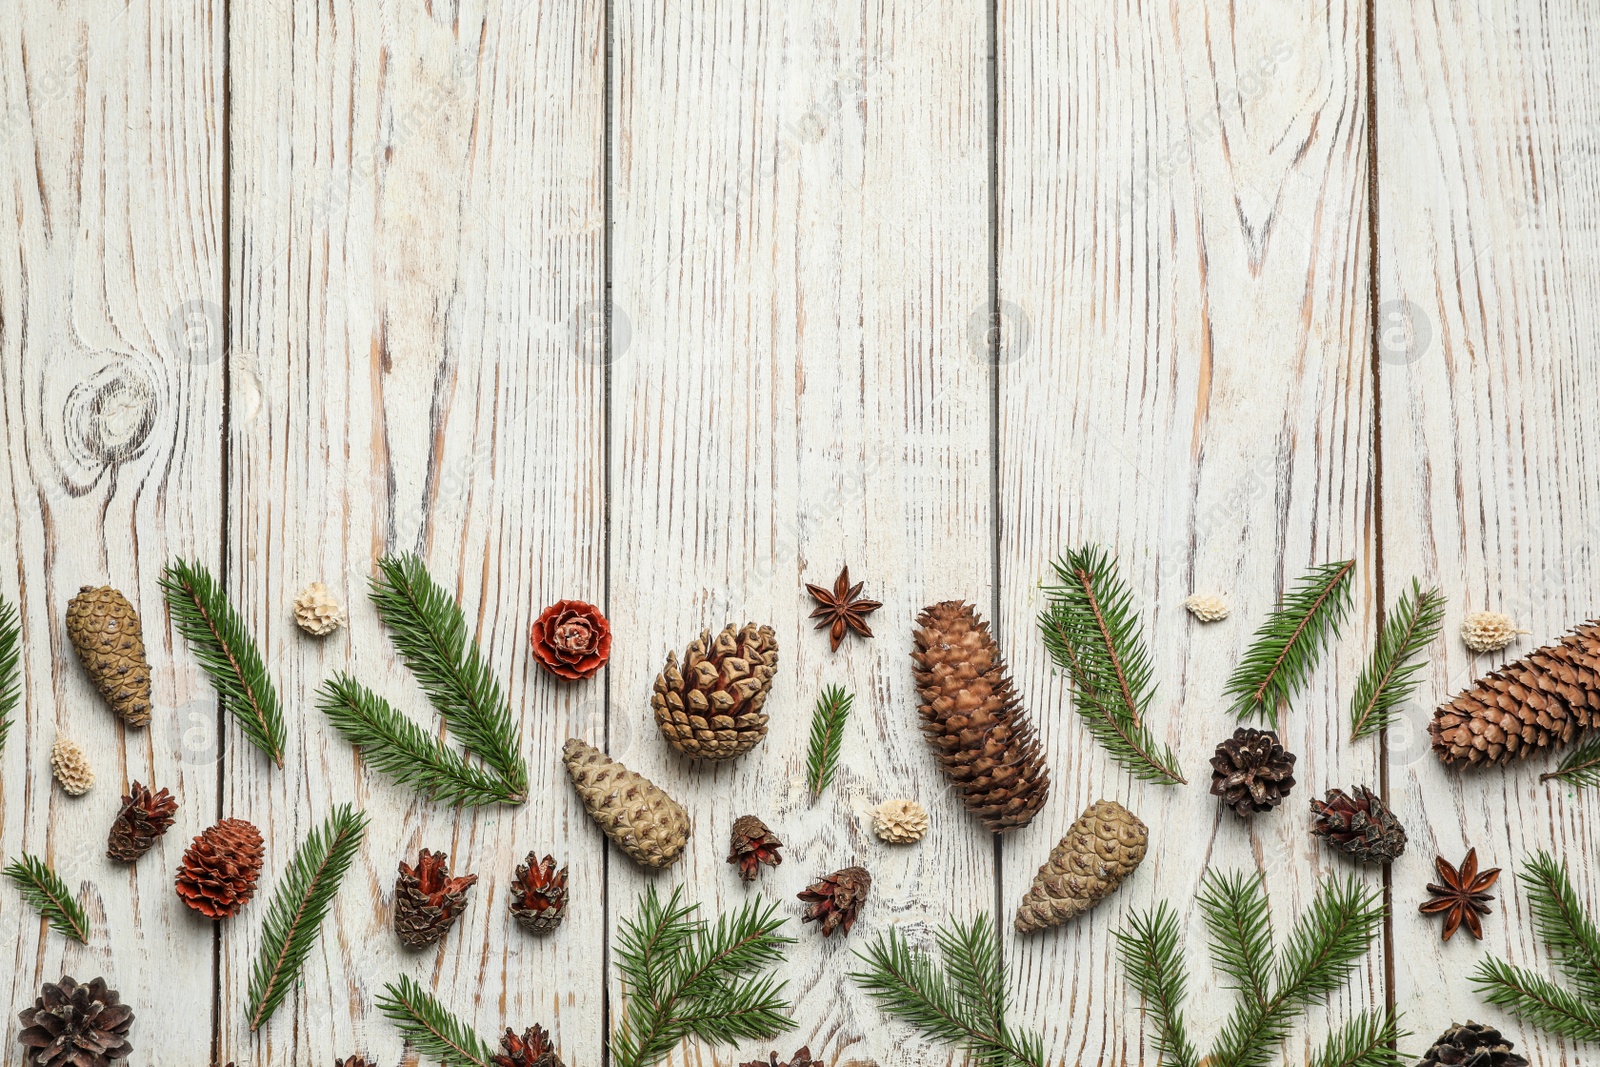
(1251,771)
(571,639)
(753,845)
(836,899)
(532,1049)
(220,868)
(72,1025)
(539,894)
(144,817)
(427,901)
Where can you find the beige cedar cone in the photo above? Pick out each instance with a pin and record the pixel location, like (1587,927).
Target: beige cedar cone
(317,611)
(710,707)
(104,628)
(900,822)
(1206,607)
(1101,849)
(1489,631)
(71,767)
(632,810)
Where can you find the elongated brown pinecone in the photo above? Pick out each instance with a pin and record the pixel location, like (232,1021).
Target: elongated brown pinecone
(220,868)
(144,817)
(72,1025)
(1251,771)
(1540,702)
(981,736)
(105,630)
(538,895)
(427,901)
(634,812)
(1359,824)
(1100,849)
(836,899)
(1472,1045)
(753,844)
(532,1049)
(710,709)
(802,1058)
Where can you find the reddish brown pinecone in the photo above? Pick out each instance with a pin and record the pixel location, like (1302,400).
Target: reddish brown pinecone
(973,718)
(72,1025)
(802,1058)
(352,1061)
(1251,771)
(710,708)
(539,894)
(1359,824)
(1540,702)
(836,899)
(220,868)
(427,901)
(753,845)
(144,817)
(532,1049)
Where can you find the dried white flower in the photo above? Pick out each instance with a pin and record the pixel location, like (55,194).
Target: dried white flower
(1489,631)
(1207,607)
(317,612)
(900,822)
(71,767)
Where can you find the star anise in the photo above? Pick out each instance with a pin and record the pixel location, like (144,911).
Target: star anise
(843,608)
(1461,895)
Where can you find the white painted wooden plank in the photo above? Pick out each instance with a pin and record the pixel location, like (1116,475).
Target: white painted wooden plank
(1183,270)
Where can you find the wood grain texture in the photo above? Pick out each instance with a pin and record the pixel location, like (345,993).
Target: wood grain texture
(112,416)
(1489,284)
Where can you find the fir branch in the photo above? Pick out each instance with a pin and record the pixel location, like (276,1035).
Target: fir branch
(1240,924)
(10,659)
(1368,1040)
(1092,633)
(1150,953)
(1537,1000)
(430,633)
(1581,766)
(1391,677)
(228,654)
(49,895)
(827,738)
(429,1028)
(1286,648)
(299,904)
(393,744)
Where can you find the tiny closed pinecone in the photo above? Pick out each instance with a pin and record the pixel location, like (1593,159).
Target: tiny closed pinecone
(144,817)
(220,868)
(634,812)
(1359,824)
(900,822)
(1101,849)
(1251,771)
(836,899)
(71,767)
(1540,702)
(710,708)
(801,1058)
(532,1049)
(427,901)
(72,1025)
(538,896)
(317,611)
(973,718)
(753,845)
(104,628)
(1472,1045)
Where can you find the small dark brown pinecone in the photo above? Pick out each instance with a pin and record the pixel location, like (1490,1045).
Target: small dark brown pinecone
(710,708)
(352,1061)
(532,1049)
(973,718)
(105,630)
(753,845)
(1472,1045)
(539,894)
(427,901)
(836,899)
(1251,772)
(219,870)
(144,817)
(1540,702)
(802,1058)
(72,1025)
(1359,824)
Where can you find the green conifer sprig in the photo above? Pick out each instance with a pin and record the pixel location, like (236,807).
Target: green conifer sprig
(1152,955)
(1286,647)
(299,904)
(1368,1040)
(228,654)
(429,1028)
(1581,766)
(1392,675)
(827,738)
(1092,633)
(10,664)
(48,894)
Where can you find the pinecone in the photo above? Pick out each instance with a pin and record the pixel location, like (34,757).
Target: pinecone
(1539,702)
(1361,825)
(1206,607)
(1099,850)
(317,611)
(753,844)
(634,812)
(71,767)
(352,1061)
(72,1025)
(980,734)
(1489,631)
(1472,1045)
(220,868)
(711,708)
(900,822)
(1251,772)
(532,1049)
(427,901)
(802,1058)
(103,626)
(836,899)
(539,894)
(144,817)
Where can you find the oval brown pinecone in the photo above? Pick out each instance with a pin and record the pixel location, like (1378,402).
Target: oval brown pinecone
(219,870)
(635,813)
(1101,849)
(533,1049)
(105,631)
(1251,771)
(710,708)
(144,817)
(427,901)
(538,897)
(753,844)
(1472,1045)
(1359,824)
(836,899)
(73,1025)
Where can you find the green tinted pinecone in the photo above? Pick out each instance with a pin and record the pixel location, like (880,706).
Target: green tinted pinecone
(1099,850)
(104,628)
(634,812)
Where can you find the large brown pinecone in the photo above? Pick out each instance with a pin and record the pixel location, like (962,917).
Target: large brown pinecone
(427,901)
(1099,850)
(634,812)
(538,895)
(753,845)
(1540,702)
(104,628)
(973,718)
(710,708)
(1472,1045)
(144,817)
(1359,824)
(532,1049)
(1251,771)
(220,868)
(836,899)
(72,1025)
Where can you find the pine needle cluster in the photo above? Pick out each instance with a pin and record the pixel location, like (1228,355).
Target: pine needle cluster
(827,738)
(1092,633)
(685,977)
(1581,766)
(48,894)
(429,1028)
(1392,675)
(1286,648)
(1273,987)
(1572,1011)
(963,1003)
(10,662)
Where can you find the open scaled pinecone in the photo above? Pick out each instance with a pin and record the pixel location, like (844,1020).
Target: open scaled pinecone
(73,1025)
(144,817)
(220,868)
(1358,824)
(753,845)
(1472,1045)
(105,630)
(801,1058)
(710,708)
(538,897)
(532,1049)
(427,901)
(1251,771)
(836,899)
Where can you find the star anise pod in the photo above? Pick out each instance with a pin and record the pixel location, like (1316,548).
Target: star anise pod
(843,608)
(1461,895)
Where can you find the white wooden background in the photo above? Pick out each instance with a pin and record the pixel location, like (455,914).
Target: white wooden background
(290,285)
